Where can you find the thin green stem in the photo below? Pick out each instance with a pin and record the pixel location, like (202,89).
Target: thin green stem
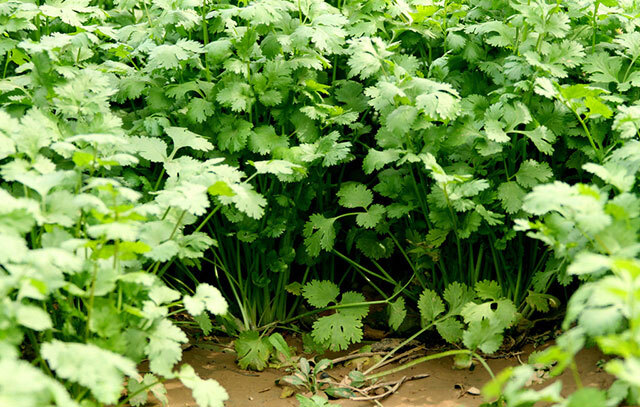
(205,220)
(140,390)
(404,343)
(205,39)
(432,357)
(91,299)
(361,267)
(594,22)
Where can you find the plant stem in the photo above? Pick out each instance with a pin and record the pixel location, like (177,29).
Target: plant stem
(135,393)
(91,297)
(433,357)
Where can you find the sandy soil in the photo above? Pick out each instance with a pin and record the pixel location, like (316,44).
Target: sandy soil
(441,389)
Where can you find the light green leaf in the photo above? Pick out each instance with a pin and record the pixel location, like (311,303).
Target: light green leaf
(338,330)
(401,119)
(206,393)
(319,234)
(33,317)
(532,173)
(351,297)
(482,335)
(511,196)
(372,217)
(354,195)
(152,149)
(164,349)
(206,297)
(457,295)
(99,370)
(430,306)
(320,293)
(376,160)
(488,290)
(184,138)
(397,313)
(627,121)
(253,351)
(277,167)
(142,386)
(247,200)
(450,329)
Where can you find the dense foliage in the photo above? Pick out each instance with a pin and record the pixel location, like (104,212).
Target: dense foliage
(282,150)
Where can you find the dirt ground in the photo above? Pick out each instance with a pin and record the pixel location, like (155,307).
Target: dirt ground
(443,388)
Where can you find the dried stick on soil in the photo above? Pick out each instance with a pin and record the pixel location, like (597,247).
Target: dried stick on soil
(383,395)
(386,362)
(394,387)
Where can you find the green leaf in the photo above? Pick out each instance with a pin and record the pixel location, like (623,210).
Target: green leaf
(152,149)
(277,167)
(281,346)
(33,317)
(457,295)
(397,313)
(142,386)
(354,195)
(99,370)
(184,138)
(627,121)
(501,317)
(338,330)
(587,397)
(511,196)
(542,138)
(532,173)
(482,335)
(401,119)
(253,351)
(264,140)
(319,234)
(376,160)
(430,306)
(220,188)
(320,293)
(450,329)
(371,217)
(29,386)
(204,322)
(236,95)
(596,108)
(206,393)
(206,297)
(313,401)
(351,297)
(164,349)
(488,290)
(495,131)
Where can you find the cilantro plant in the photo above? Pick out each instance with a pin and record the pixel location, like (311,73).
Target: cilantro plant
(84,234)
(594,229)
(270,145)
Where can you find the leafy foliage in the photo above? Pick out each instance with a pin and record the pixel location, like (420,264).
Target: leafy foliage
(594,228)
(478,320)
(343,327)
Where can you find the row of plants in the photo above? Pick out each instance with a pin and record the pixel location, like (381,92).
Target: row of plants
(283,150)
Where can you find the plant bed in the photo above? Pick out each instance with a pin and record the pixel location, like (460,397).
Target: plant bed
(444,387)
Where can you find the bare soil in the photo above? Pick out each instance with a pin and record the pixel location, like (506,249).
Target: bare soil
(445,387)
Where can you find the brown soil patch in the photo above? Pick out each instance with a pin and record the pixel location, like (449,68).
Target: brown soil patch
(440,389)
